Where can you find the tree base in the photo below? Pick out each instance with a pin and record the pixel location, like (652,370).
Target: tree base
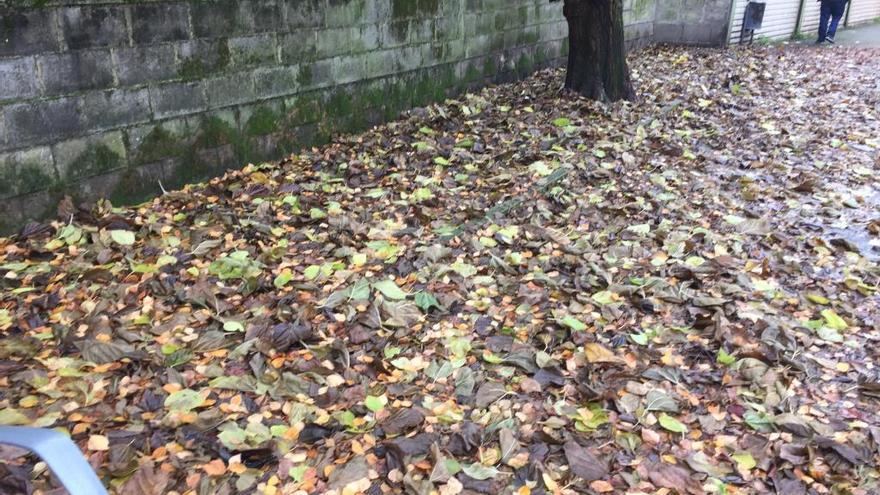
(597,66)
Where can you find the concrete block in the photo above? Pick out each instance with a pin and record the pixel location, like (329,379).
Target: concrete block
(220,19)
(26,171)
(334,41)
(228,90)
(298,47)
(302,13)
(43,121)
(157,22)
(341,13)
(318,74)
(376,12)
(4,135)
(89,156)
(175,99)
(74,71)
(262,118)
(26,32)
(266,15)
(704,34)
(367,38)
(152,143)
(34,206)
(348,69)
(252,51)
(93,25)
(18,78)
(116,108)
(668,33)
(379,63)
(144,63)
(276,81)
(202,58)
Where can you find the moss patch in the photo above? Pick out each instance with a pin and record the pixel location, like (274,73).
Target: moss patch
(95,160)
(158,145)
(263,121)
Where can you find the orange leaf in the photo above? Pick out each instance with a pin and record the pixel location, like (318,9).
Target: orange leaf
(215,468)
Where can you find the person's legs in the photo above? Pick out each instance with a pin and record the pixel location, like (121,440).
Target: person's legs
(838,8)
(824,15)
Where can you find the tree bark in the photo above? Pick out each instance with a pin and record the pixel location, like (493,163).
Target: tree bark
(596,51)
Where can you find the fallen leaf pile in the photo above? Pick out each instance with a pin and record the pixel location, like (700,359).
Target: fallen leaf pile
(517,291)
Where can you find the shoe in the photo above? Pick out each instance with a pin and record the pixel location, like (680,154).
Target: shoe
(830,40)
(819,42)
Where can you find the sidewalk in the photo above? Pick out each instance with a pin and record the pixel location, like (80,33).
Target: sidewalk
(861,36)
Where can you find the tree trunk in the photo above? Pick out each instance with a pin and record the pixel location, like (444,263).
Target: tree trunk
(596,52)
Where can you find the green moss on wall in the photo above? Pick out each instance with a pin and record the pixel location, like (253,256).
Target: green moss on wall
(95,160)
(158,145)
(192,69)
(263,121)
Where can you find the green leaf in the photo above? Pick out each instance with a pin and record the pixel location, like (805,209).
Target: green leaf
(360,290)
(425,301)
(816,298)
(390,352)
(358,259)
(641,229)
(233,438)
(166,260)
(488,242)
(829,334)
(604,297)
(453,467)
(733,219)
(574,324)
(639,338)
(758,421)
(184,400)
(122,237)
(540,168)
(389,289)
(562,122)
(744,461)
(422,194)
(312,271)
(657,400)
(725,358)
(464,269)
(12,417)
(282,279)
(374,403)
(233,326)
(317,214)
(298,473)
(672,424)
(478,471)
(492,358)
(833,320)
(694,261)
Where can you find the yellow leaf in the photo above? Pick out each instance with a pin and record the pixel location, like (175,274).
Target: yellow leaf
(549,483)
(596,353)
(99,442)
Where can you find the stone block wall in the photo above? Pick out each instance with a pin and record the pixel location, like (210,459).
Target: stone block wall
(693,22)
(120,98)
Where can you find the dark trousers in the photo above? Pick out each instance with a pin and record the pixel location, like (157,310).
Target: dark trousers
(833,9)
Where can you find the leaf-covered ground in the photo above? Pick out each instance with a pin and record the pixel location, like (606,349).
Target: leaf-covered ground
(514,292)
